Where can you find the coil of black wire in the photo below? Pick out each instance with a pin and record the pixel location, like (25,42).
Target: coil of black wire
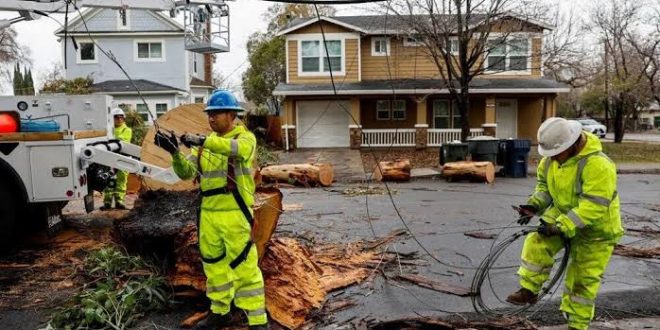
(482,275)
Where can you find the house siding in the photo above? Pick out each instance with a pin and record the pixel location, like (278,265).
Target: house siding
(351,63)
(170,72)
(530,116)
(105,20)
(327,28)
(403,62)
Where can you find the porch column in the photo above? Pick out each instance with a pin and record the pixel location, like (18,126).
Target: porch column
(421,127)
(490,124)
(288,124)
(549,106)
(354,127)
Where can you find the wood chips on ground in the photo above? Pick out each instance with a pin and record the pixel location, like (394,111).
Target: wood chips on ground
(631,251)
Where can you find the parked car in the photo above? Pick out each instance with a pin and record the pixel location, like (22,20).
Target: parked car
(593,127)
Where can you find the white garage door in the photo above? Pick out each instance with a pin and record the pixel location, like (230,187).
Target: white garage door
(322,124)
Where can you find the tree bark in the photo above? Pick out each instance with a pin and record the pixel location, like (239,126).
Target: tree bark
(474,171)
(398,170)
(304,174)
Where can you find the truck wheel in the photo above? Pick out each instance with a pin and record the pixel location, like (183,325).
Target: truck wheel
(8,210)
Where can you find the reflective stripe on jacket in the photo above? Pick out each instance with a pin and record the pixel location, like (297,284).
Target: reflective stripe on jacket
(214,167)
(580,195)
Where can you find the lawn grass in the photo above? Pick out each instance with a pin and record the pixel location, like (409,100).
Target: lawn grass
(626,152)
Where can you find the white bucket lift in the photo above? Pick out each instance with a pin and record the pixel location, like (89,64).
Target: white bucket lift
(206,25)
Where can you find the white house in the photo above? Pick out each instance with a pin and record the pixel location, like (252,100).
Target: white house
(149,46)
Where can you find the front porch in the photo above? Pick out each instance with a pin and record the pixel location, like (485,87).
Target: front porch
(407,137)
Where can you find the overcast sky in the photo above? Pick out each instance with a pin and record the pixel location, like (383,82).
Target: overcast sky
(246,17)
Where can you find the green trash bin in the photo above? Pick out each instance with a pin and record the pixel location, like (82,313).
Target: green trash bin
(453,152)
(484,149)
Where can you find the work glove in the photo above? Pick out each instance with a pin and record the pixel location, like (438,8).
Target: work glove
(190,140)
(548,229)
(526,212)
(168,143)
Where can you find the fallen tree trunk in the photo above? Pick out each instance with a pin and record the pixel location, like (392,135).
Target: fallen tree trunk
(398,170)
(635,252)
(303,174)
(473,171)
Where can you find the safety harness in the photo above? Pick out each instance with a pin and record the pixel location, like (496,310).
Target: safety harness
(230,188)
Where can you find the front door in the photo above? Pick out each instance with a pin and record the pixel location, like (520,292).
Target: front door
(506,112)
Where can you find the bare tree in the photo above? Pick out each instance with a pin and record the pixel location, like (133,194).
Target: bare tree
(10,52)
(459,35)
(617,22)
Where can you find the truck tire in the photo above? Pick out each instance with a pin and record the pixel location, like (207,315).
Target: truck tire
(9,212)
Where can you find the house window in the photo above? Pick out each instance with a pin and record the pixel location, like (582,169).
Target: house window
(453,46)
(446,116)
(316,59)
(508,55)
(383,110)
(380,46)
(161,109)
(122,19)
(195,62)
(86,52)
(199,100)
(150,51)
(399,110)
(441,114)
(334,52)
(143,111)
(395,110)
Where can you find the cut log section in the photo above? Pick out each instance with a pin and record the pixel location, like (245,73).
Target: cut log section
(398,170)
(473,171)
(301,174)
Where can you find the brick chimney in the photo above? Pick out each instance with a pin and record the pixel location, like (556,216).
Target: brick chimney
(208,68)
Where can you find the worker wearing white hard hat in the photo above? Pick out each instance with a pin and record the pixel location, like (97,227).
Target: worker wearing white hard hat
(118,192)
(576,199)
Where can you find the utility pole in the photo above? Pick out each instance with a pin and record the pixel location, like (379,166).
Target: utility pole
(607,87)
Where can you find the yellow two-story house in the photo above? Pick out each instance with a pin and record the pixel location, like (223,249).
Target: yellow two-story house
(389,92)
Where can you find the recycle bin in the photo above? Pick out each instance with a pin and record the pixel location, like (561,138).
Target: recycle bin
(517,154)
(484,149)
(453,152)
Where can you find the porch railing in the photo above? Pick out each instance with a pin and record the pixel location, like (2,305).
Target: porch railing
(438,136)
(403,137)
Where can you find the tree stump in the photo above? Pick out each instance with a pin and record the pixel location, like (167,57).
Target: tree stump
(473,171)
(398,170)
(302,174)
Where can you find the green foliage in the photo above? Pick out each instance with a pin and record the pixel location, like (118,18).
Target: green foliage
(22,82)
(266,156)
(267,68)
(135,121)
(122,289)
(76,86)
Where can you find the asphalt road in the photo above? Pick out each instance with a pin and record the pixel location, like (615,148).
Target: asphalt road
(438,213)
(643,137)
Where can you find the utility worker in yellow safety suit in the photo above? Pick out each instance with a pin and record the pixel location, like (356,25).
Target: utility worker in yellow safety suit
(223,162)
(118,192)
(577,200)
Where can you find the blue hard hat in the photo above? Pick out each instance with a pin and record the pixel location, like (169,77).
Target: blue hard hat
(222,100)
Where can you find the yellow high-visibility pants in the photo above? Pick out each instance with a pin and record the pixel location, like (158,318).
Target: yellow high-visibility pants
(119,191)
(226,233)
(587,263)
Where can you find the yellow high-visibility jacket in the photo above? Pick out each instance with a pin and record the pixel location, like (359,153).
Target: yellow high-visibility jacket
(580,195)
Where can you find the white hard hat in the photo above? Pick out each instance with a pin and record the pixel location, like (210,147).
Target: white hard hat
(117,112)
(556,135)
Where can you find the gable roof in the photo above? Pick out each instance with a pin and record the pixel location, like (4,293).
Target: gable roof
(88,14)
(386,24)
(200,83)
(125,87)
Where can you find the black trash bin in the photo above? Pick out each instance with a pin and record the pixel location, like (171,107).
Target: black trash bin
(484,149)
(517,153)
(453,152)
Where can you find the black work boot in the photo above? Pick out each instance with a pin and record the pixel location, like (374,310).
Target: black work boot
(106,207)
(522,297)
(213,322)
(259,327)
(120,206)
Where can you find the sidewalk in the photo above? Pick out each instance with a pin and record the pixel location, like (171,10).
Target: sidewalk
(641,323)
(621,168)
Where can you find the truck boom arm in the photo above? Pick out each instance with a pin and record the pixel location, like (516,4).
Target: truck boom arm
(108,154)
